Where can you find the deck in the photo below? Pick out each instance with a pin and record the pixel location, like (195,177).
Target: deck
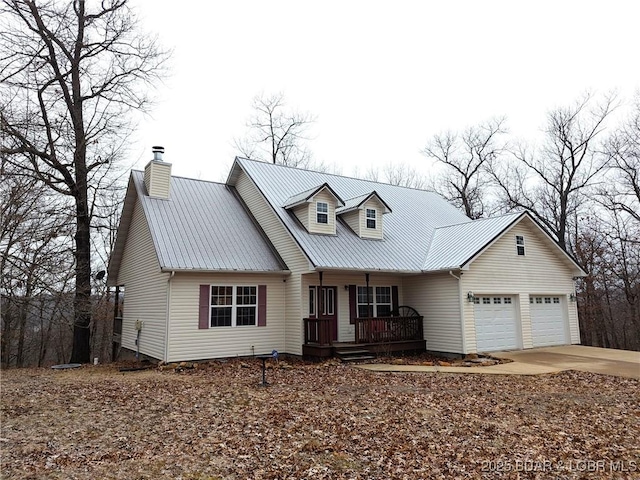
(379,335)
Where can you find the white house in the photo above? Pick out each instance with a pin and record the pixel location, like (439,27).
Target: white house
(301,262)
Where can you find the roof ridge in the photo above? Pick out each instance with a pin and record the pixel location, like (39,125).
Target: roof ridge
(472,220)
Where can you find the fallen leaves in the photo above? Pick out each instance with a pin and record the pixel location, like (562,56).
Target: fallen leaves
(314,421)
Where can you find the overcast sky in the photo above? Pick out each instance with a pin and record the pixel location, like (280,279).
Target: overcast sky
(381,77)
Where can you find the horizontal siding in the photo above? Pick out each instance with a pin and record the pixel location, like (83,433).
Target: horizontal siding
(346,331)
(330,227)
(542,270)
(145,289)
(188,342)
(371,232)
(353,220)
(302,212)
(289,251)
(158,179)
(437,298)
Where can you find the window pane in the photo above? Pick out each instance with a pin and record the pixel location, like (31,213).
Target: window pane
(383,311)
(362,294)
(312,300)
(486,300)
(538,299)
(497,300)
(383,294)
(246,316)
(556,300)
(323,218)
(507,299)
(221,316)
(547,299)
(221,295)
(519,240)
(322,207)
(362,311)
(246,296)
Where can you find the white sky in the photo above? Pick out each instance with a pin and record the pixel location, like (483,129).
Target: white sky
(381,77)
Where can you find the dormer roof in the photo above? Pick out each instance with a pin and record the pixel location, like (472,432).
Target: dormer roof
(357,202)
(304,197)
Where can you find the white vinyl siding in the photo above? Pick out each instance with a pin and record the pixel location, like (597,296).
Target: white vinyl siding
(302,213)
(145,289)
(188,342)
(290,252)
(372,204)
(499,269)
(437,298)
(353,220)
(329,228)
(157,179)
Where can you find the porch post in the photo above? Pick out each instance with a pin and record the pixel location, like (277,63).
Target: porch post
(321,327)
(369,312)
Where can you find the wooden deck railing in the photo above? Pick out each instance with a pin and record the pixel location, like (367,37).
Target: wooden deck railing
(388,329)
(368,330)
(317,330)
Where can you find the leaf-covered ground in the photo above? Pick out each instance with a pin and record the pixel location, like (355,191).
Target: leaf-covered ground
(315,421)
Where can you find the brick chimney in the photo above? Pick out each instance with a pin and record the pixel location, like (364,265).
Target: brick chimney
(157,175)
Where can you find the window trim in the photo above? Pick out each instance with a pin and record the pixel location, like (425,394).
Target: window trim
(234,305)
(373,218)
(520,245)
(324,212)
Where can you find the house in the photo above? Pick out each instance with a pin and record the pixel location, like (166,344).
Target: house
(300,261)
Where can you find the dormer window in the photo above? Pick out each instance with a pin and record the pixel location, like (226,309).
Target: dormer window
(322,212)
(520,244)
(371,218)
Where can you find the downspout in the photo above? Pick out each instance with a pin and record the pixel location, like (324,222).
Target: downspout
(462,326)
(168,317)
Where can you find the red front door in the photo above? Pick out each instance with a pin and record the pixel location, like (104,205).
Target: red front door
(325,303)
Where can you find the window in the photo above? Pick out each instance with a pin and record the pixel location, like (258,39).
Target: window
(520,244)
(538,299)
(322,212)
(371,218)
(312,301)
(486,300)
(381,303)
(556,299)
(507,299)
(547,299)
(476,300)
(497,300)
(233,306)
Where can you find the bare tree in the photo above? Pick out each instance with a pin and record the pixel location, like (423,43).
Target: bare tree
(551,181)
(394,173)
(277,134)
(466,157)
(72,74)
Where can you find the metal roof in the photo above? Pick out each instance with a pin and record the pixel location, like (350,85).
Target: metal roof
(355,203)
(453,246)
(203,226)
(302,197)
(407,231)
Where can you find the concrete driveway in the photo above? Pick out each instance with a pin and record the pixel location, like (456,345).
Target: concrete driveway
(607,361)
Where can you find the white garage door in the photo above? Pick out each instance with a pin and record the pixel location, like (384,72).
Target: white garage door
(496,323)
(548,322)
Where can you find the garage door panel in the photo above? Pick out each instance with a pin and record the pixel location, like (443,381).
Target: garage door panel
(548,320)
(496,323)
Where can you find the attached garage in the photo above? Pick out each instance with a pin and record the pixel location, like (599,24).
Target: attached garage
(497,323)
(548,320)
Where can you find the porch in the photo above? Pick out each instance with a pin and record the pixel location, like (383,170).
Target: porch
(378,335)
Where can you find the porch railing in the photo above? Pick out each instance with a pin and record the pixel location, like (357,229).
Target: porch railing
(367,330)
(388,329)
(317,330)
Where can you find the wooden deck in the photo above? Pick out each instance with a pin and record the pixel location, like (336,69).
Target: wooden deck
(314,350)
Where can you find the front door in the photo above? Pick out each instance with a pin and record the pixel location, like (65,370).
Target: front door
(325,304)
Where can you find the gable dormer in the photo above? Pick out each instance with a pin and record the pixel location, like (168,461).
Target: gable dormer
(316,209)
(364,215)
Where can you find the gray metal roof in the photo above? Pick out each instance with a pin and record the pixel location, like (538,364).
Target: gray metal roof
(204,227)
(407,231)
(454,245)
(355,203)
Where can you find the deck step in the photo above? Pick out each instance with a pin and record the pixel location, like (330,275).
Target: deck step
(351,352)
(357,358)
